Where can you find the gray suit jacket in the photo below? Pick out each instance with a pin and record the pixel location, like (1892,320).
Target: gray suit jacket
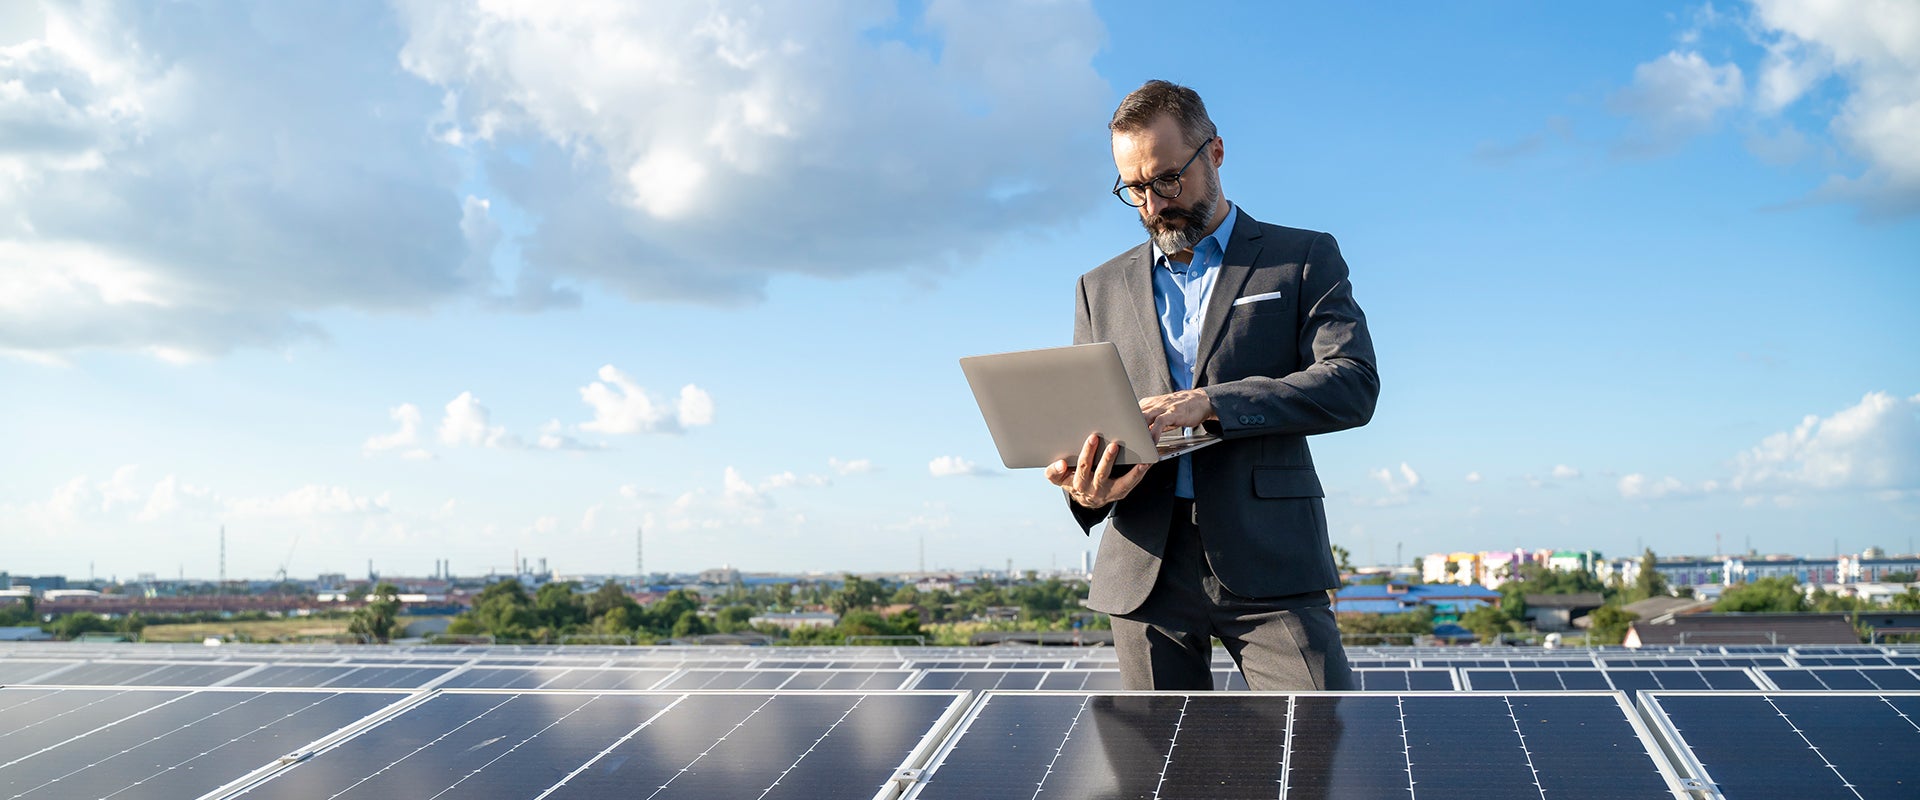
(1278,369)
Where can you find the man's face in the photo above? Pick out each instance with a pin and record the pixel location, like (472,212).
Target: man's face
(1158,151)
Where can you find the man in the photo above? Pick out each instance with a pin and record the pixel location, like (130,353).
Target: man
(1251,331)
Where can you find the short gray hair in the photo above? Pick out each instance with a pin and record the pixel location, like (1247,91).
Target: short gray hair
(1156,97)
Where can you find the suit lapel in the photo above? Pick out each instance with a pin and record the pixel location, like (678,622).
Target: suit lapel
(1139,284)
(1235,267)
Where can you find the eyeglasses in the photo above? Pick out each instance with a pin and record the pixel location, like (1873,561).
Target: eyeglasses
(1167,186)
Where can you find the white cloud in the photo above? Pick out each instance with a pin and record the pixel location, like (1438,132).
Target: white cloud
(1674,97)
(688,152)
(171,184)
(467,422)
(621,405)
(1402,482)
(311,500)
(854,467)
(405,439)
(739,492)
(955,466)
(1873,445)
(1636,486)
(553,437)
(1473,477)
(1564,472)
(1873,47)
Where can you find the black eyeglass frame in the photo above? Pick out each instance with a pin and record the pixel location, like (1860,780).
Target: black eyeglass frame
(1124,191)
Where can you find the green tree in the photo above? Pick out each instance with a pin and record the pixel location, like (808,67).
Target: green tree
(559,607)
(733,619)
(379,619)
(856,592)
(1343,560)
(690,624)
(1488,622)
(1905,601)
(607,598)
(1777,595)
(1608,625)
(1898,577)
(1649,583)
(501,610)
(665,613)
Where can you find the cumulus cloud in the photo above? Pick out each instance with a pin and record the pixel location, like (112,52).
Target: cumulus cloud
(1402,482)
(1637,486)
(1473,477)
(1873,48)
(1564,472)
(688,152)
(127,498)
(311,500)
(467,422)
(185,181)
(1872,445)
(406,439)
(1673,98)
(955,466)
(621,405)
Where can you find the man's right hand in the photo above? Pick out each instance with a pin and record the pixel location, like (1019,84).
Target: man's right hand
(1095,487)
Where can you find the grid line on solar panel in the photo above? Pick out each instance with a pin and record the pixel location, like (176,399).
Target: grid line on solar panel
(1843,678)
(1801,745)
(168,743)
(693,744)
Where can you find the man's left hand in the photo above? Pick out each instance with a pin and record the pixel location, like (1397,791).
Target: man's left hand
(1182,409)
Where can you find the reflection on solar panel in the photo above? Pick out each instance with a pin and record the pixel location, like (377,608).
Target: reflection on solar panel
(1849,745)
(1625,680)
(147,743)
(1313,745)
(504,745)
(539,678)
(1844,678)
(1491,663)
(988,664)
(24,671)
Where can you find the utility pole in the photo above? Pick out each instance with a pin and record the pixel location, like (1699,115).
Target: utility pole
(220,591)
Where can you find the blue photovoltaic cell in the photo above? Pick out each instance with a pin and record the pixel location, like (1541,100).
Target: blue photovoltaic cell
(1806,747)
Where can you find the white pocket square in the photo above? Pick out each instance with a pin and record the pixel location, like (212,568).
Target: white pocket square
(1255,298)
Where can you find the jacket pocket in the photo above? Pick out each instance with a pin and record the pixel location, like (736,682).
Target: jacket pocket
(1274,482)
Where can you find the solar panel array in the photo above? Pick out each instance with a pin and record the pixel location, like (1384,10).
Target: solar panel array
(164,721)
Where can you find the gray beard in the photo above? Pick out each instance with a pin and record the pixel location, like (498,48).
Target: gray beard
(1172,241)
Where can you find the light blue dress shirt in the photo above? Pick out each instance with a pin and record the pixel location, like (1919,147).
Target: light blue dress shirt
(1180,293)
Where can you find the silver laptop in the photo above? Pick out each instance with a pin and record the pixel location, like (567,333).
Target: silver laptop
(1041,404)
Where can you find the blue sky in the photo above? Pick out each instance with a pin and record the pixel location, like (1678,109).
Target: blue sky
(446,280)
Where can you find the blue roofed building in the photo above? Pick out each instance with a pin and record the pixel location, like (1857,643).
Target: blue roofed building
(1448,600)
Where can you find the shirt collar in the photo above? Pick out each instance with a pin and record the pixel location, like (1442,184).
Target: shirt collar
(1219,237)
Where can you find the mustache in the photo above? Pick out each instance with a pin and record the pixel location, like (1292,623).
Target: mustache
(1189,216)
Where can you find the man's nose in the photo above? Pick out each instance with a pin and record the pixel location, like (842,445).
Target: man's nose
(1154,203)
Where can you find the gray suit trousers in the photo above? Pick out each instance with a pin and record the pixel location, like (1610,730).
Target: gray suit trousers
(1282,644)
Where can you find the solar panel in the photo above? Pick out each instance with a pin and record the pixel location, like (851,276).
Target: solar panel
(142,673)
(1844,678)
(1837,745)
(1403,680)
(1858,661)
(769,680)
(516,745)
(1625,680)
(160,744)
(12,672)
(1220,745)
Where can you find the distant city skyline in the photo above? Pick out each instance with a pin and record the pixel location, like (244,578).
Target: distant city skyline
(421,281)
